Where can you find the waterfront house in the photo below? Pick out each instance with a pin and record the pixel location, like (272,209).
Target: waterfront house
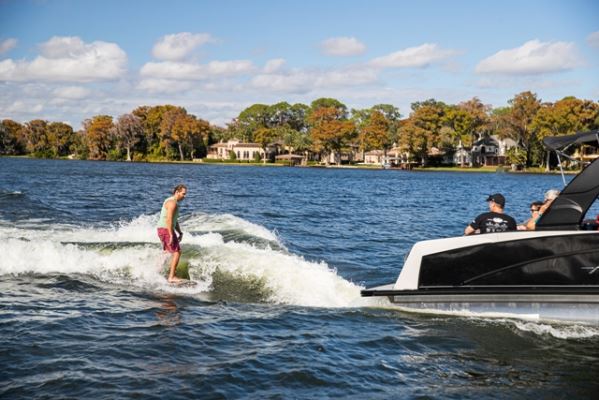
(587,154)
(374,157)
(490,151)
(462,155)
(291,159)
(242,151)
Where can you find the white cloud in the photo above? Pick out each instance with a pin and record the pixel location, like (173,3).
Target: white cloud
(194,71)
(178,46)
(304,81)
(68,59)
(24,107)
(415,57)
(273,65)
(343,46)
(164,85)
(533,57)
(72,92)
(7,45)
(593,39)
(234,67)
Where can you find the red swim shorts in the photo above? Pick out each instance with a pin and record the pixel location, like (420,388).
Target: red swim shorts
(165,239)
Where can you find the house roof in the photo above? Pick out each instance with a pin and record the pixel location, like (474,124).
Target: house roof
(486,141)
(246,145)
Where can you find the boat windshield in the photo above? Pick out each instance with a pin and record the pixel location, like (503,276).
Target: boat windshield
(577,202)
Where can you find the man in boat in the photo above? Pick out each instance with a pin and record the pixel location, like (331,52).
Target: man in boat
(167,225)
(493,221)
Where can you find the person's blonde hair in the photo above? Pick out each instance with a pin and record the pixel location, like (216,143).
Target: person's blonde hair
(551,194)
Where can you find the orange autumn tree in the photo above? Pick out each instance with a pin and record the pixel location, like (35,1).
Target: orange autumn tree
(99,134)
(189,134)
(566,116)
(330,130)
(12,138)
(375,133)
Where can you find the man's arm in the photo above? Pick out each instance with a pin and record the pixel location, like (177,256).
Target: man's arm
(469,230)
(178,229)
(531,225)
(472,226)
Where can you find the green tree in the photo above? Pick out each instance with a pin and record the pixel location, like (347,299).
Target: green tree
(38,143)
(251,119)
(265,136)
(324,102)
(298,119)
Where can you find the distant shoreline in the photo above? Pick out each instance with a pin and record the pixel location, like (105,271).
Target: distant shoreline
(534,170)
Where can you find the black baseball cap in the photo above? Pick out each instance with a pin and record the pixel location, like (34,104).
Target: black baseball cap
(497,198)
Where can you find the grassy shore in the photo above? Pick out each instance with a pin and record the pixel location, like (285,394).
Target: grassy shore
(458,169)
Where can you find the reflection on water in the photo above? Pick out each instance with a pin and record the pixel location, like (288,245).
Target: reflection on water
(168,313)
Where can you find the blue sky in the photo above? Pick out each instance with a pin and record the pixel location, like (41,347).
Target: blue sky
(70,60)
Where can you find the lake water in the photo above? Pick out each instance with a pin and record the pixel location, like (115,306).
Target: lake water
(280,255)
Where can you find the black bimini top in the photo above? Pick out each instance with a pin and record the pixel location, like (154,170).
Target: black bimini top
(560,142)
(570,207)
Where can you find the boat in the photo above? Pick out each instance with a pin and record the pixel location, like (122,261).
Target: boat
(550,274)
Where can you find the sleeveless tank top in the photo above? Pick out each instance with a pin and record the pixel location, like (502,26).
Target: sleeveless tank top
(163,212)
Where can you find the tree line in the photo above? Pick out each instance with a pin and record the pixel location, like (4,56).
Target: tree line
(167,132)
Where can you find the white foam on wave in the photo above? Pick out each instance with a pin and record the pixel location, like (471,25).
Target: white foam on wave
(290,278)
(527,322)
(130,253)
(467,313)
(560,331)
(222,222)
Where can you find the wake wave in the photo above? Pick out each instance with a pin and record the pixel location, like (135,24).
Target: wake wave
(558,331)
(230,258)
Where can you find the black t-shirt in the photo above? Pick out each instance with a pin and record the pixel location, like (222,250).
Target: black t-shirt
(492,222)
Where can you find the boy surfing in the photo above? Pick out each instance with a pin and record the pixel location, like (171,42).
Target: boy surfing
(167,225)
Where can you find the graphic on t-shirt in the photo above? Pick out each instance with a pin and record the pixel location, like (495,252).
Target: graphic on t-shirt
(495,225)
(492,222)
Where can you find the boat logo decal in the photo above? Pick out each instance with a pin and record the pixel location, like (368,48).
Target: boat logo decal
(592,270)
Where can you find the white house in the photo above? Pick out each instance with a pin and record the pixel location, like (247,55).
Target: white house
(487,151)
(243,151)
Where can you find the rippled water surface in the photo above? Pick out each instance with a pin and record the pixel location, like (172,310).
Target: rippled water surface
(280,256)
